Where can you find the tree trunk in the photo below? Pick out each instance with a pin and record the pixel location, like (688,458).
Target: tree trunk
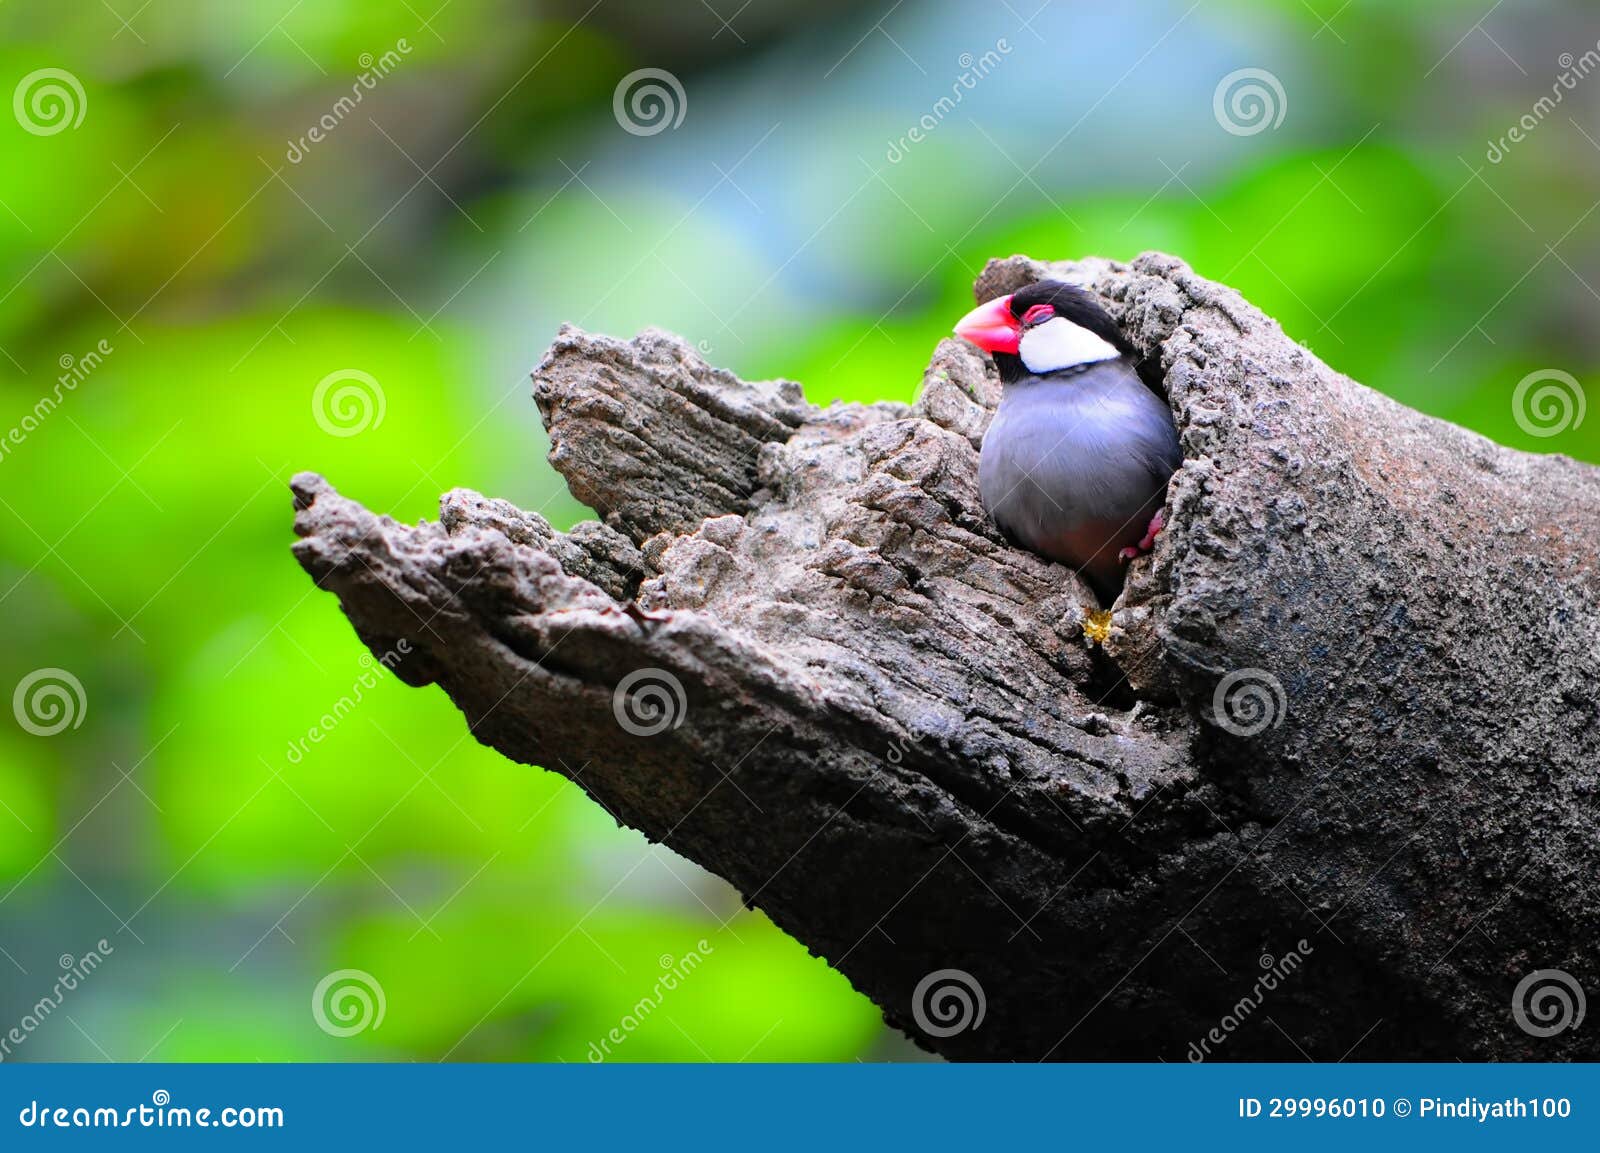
(1323,786)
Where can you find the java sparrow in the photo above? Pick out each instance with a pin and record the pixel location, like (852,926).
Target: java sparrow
(1076,461)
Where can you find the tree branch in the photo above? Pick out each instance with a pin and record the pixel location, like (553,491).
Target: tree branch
(1349,700)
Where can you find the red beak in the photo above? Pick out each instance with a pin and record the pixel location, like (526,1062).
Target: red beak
(991,326)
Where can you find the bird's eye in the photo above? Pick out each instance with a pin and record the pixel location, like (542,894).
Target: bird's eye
(1038,314)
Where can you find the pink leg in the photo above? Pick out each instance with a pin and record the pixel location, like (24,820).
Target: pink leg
(1157,523)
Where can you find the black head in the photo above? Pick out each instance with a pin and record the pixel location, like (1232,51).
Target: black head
(1066,326)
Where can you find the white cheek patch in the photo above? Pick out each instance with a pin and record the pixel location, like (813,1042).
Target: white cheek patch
(1058,344)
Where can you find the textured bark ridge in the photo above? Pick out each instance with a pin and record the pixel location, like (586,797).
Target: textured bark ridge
(1324,785)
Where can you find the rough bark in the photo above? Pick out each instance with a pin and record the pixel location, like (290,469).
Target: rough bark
(1351,698)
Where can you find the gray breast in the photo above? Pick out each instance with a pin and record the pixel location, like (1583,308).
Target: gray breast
(1074,465)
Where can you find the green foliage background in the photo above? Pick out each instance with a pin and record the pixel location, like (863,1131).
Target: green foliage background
(482,193)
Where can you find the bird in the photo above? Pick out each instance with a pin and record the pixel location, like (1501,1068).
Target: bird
(1075,463)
